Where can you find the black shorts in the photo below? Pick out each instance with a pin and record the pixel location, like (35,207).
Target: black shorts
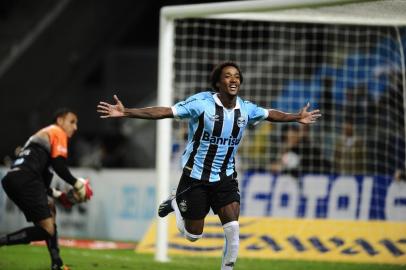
(196,197)
(28,192)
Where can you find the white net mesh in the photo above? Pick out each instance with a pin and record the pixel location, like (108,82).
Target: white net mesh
(354,74)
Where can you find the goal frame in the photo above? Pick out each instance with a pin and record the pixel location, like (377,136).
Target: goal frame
(247,10)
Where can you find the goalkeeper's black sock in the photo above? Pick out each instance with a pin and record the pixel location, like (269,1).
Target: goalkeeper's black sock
(26,235)
(53,248)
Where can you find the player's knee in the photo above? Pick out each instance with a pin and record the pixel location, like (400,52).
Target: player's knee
(50,230)
(192,237)
(41,232)
(196,229)
(48,225)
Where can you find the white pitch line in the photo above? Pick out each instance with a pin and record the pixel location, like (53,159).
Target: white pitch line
(96,255)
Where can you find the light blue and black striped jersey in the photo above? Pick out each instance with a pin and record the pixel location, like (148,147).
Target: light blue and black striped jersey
(214,133)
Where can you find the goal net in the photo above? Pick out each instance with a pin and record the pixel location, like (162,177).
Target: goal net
(352,73)
(346,60)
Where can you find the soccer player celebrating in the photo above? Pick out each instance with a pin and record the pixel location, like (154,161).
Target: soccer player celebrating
(217,121)
(27,184)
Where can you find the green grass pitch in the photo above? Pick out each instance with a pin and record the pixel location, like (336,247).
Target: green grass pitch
(36,258)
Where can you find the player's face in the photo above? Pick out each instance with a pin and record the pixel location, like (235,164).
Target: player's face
(229,81)
(69,123)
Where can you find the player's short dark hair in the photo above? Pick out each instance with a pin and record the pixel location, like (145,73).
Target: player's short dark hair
(216,73)
(61,112)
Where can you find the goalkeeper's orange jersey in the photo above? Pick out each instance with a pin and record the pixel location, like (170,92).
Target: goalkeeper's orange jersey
(49,142)
(58,141)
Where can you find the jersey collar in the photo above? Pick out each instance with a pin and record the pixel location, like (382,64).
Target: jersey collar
(218,102)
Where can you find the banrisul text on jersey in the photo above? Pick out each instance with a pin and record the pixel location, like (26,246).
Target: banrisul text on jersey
(219,140)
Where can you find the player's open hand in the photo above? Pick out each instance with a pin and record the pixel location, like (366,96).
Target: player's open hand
(109,110)
(308,117)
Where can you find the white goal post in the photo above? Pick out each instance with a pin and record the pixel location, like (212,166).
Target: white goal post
(334,12)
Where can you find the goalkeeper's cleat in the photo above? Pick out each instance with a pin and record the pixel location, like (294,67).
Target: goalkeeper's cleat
(166,206)
(60,267)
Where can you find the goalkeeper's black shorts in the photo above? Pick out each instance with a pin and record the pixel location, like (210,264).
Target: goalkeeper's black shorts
(28,192)
(196,197)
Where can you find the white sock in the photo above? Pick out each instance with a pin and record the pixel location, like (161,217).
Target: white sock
(192,237)
(231,244)
(180,223)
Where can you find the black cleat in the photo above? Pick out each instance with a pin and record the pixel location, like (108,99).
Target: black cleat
(166,207)
(59,267)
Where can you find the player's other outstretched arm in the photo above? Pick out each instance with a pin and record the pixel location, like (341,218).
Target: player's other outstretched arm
(303,116)
(108,110)
(149,113)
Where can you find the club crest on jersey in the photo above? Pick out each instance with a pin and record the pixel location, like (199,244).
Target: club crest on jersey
(214,118)
(241,122)
(183,206)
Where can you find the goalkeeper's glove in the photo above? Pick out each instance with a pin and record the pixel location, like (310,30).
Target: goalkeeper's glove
(65,199)
(83,189)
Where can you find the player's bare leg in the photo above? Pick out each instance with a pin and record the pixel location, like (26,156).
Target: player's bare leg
(47,224)
(229,219)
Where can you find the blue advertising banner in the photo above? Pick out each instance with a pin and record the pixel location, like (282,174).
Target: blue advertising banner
(323,196)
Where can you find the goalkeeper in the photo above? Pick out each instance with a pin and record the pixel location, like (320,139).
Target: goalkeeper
(28,180)
(217,120)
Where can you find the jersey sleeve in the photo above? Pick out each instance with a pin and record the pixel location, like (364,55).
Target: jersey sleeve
(255,113)
(59,142)
(189,108)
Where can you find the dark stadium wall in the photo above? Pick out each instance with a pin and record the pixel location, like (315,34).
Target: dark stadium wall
(71,63)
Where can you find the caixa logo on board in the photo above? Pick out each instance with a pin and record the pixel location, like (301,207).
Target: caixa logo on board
(323,196)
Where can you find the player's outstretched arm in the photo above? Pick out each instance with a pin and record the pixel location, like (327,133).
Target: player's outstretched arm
(118,110)
(303,116)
